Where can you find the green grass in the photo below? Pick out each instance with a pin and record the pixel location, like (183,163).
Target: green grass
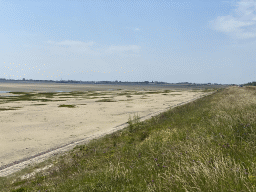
(152,92)
(95,93)
(18,92)
(167,91)
(205,145)
(39,104)
(47,94)
(7,109)
(29,96)
(26,96)
(123,93)
(105,100)
(69,106)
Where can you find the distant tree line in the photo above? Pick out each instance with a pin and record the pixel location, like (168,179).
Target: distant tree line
(251,83)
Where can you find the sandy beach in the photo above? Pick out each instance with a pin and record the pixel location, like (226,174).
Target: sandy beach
(37,126)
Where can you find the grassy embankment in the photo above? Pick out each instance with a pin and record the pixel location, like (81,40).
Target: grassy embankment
(206,145)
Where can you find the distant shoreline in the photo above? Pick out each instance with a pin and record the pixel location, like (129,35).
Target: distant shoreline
(2,80)
(31,86)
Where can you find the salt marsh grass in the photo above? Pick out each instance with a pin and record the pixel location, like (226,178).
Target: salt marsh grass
(205,145)
(69,106)
(105,100)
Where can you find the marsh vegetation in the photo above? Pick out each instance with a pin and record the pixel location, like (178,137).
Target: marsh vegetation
(206,145)
(103,96)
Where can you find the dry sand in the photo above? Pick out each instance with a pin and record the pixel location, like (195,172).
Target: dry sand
(32,129)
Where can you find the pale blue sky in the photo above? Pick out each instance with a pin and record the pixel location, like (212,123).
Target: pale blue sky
(197,41)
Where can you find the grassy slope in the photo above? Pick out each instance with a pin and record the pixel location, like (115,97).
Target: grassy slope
(206,145)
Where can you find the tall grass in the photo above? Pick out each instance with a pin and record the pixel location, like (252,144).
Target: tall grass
(206,145)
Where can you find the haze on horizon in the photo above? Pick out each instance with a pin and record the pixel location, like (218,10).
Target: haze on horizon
(170,41)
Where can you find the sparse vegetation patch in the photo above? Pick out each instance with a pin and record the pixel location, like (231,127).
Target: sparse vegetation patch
(6,109)
(69,106)
(106,100)
(40,104)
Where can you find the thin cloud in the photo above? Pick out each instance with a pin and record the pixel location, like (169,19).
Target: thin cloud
(134,29)
(69,47)
(77,48)
(241,24)
(71,43)
(123,49)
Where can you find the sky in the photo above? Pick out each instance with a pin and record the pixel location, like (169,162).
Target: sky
(197,41)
